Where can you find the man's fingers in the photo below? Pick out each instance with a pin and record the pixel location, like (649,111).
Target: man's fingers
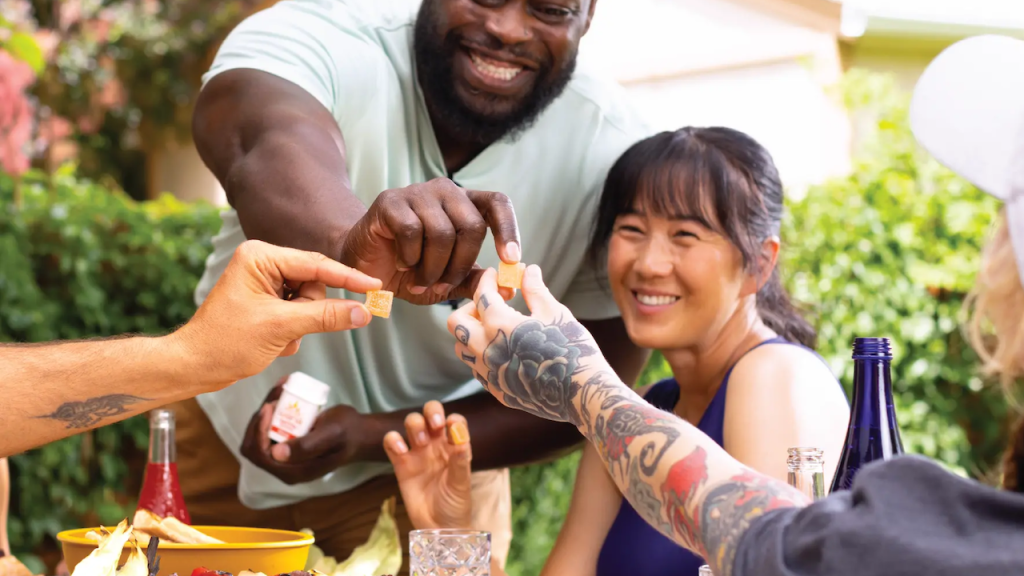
(266,417)
(320,441)
(404,225)
(470,232)
(467,288)
(280,265)
(438,241)
(329,315)
(497,211)
(291,348)
(312,291)
(538,298)
(276,391)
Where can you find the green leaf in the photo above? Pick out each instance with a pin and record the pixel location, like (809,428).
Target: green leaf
(24,47)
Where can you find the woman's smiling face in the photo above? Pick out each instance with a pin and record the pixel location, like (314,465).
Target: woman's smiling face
(675,279)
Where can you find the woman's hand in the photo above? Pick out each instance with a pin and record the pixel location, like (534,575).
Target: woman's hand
(433,469)
(536,363)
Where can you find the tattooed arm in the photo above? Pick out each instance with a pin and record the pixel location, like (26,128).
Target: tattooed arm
(53,391)
(268,298)
(678,479)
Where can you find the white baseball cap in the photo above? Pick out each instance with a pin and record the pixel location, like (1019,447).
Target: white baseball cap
(968,112)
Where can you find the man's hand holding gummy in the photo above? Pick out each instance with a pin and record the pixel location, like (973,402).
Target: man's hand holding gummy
(422,241)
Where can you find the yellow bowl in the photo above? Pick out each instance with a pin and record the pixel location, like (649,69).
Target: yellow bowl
(257,549)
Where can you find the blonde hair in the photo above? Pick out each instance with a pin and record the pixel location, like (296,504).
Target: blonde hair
(995,329)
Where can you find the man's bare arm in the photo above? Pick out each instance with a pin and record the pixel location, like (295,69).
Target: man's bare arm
(280,157)
(58,390)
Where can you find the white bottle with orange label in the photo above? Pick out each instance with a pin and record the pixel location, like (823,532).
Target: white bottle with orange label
(300,403)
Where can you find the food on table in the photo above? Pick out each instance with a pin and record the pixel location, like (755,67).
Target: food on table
(511,275)
(10,566)
(104,559)
(170,529)
(380,555)
(378,302)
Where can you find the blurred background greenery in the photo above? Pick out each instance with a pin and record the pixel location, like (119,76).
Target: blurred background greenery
(888,250)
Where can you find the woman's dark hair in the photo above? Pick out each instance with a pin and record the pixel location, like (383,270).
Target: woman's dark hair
(724,179)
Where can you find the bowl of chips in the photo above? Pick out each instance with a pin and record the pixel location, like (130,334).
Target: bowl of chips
(129,550)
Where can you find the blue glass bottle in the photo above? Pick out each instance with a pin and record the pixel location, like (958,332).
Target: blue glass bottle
(873,433)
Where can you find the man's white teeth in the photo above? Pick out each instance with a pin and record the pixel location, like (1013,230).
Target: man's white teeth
(493,69)
(648,300)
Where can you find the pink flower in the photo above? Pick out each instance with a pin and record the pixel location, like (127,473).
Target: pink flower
(15,114)
(69,13)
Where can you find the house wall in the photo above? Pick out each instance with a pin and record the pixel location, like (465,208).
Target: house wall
(781,105)
(178,169)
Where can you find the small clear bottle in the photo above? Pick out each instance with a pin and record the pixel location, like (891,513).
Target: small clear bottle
(807,471)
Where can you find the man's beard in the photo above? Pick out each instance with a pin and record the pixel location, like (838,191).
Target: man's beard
(436,75)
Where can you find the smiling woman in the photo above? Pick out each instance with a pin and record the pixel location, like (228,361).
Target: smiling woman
(688,225)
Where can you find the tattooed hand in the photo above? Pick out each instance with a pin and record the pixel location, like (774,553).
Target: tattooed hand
(535,363)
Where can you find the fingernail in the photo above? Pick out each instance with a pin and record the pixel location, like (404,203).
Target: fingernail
(512,251)
(421,437)
(359,317)
(533,271)
(281,452)
(437,420)
(442,288)
(400,447)
(460,434)
(417,290)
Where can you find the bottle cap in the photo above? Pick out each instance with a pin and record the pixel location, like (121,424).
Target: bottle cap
(161,418)
(308,388)
(872,348)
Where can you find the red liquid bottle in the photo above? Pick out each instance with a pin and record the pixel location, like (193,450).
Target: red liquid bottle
(161,493)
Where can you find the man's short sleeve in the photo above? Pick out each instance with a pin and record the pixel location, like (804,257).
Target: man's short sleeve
(315,44)
(903,517)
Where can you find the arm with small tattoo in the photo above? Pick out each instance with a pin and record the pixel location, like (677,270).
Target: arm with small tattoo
(56,390)
(679,480)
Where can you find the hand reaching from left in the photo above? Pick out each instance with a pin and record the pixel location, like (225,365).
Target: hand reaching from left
(433,468)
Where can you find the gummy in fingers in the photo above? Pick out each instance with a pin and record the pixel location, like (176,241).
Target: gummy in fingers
(458,432)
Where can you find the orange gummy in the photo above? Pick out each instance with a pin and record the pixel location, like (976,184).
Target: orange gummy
(378,302)
(511,275)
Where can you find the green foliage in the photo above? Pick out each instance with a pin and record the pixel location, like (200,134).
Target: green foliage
(891,251)
(78,261)
(888,251)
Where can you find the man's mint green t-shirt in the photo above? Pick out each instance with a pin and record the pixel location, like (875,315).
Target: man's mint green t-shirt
(355,57)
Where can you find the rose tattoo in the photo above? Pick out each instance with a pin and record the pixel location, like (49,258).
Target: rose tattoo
(535,365)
